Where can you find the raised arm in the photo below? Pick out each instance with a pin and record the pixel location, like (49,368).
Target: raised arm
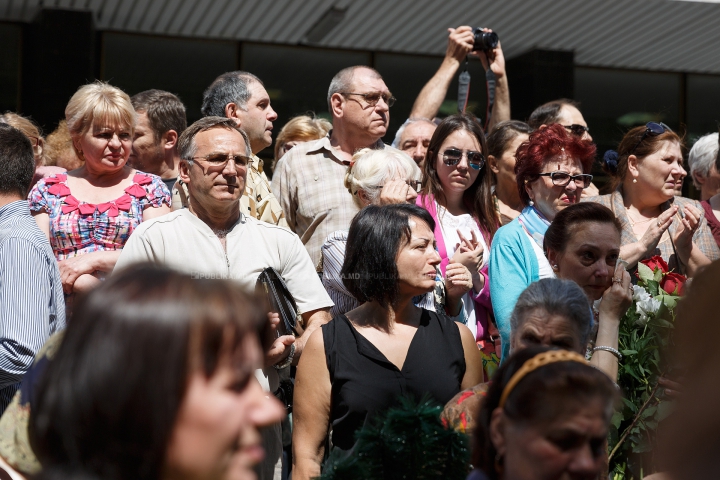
(431,97)
(501,109)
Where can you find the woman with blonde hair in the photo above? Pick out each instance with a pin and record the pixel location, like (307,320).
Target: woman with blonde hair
(383,177)
(302,128)
(89,213)
(43,167)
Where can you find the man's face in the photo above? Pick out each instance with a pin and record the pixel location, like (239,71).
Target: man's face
(216,185)
(257,120)
(358,113)
(415,140)
(570,115)
(147,153)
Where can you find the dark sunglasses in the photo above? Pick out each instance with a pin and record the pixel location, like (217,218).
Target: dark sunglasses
(653,129)
(562,179)
(577,130)
(373,98)
(452,157)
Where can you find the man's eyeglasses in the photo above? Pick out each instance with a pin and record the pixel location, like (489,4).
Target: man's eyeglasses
(373,98)
(416,185)
(653,129)
(562,179)
(577,130)
(452,157)
(221,159)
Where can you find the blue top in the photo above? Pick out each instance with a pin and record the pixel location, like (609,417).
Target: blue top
(513,266)
(32,306)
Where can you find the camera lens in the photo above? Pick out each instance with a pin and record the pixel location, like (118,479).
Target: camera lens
(484,41)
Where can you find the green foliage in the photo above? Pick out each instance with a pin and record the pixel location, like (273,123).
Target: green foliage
(642,343)
(406,442)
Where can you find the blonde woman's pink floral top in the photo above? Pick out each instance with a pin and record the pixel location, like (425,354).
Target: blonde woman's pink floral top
(78,227)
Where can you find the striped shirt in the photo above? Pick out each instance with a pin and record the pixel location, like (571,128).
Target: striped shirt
(31,296)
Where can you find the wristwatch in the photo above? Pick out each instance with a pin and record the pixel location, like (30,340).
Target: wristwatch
(288,360)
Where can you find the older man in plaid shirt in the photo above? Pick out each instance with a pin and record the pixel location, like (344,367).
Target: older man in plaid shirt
(309,179)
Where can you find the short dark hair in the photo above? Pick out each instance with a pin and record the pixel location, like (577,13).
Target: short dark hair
(164,111)
(107,404)
(563,226)
(376,235)
(504,133)
(186,142)
(548,113)
(230,87)
(17,161)
(541,395)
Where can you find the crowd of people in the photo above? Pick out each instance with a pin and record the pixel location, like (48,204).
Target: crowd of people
(483,270)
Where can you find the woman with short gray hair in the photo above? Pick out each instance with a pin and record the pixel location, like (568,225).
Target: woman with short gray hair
(705,175)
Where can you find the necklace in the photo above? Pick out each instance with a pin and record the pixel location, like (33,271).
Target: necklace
(633,222)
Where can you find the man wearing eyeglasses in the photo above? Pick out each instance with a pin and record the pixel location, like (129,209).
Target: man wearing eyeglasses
(214,238)
(242,97)
(309,179)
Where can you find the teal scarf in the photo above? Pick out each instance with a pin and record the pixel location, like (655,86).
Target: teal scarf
(534,223)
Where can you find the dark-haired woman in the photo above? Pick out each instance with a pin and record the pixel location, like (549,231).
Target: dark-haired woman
(550,176)
(546,416)
(154,379)
(502,143)
(457,191)
(647,168)
(362,362)
(583,245)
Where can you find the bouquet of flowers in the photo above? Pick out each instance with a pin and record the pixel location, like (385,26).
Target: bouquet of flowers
(645,332)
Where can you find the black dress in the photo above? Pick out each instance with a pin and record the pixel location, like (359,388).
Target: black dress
(365,382)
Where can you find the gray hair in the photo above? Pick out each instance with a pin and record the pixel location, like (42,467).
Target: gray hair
(230,87)
(702,156)
(370,168)
(186,142)
(557,297)
(401,130)
(343,81)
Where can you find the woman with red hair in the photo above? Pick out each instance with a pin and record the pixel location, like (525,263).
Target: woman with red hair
(551,175)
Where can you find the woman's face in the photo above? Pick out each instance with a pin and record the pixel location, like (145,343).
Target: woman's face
(570,447)
(105,147)
(457,178)
(589,258)
(549,198)
(659,174)
(541,328)
(504,167)
(417,259)
(216,432)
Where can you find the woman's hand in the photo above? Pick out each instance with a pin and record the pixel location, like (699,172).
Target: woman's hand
(396,191)
(85,283)
(468,253)
(71,268)
(655,231)
(458,281)
(618,297)
(683,237)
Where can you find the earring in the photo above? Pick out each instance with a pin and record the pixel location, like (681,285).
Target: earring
(634,180)
(531,203)
(555,267)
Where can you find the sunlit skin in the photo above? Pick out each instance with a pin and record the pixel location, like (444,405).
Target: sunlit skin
(504,169)
(589,258)
(256,118)
(570,115)
(659,174)
(147,154)
(455,179)
(369,121)
(216,434)
(415,140)
(549,330)
(105,148)
(569,447)
(550,199)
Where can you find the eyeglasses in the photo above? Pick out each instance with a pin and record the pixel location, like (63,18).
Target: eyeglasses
(653,129)
(577,130)
(452,157)
(416,185)
(373,98)
(35,141)
(562,179)
(221,159)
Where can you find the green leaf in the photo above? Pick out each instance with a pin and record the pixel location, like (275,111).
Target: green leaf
(629,352)
(653,287)
(644,272)
(617,418)
(670,301)
(657,276)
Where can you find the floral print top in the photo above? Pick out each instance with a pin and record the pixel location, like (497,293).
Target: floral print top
(78,227)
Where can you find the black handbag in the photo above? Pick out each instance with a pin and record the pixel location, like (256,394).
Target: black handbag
(273,286)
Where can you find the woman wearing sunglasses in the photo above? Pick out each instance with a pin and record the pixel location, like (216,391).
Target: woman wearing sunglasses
(457,191)
(550,175)
(646,171)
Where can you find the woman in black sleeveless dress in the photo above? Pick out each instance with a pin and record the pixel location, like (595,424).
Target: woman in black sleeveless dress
(361,363)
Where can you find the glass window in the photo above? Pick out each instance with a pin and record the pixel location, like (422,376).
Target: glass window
(9,66)
(703,105)
(181,66)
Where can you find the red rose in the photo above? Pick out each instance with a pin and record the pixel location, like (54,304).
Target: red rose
(673,281)
(656,262)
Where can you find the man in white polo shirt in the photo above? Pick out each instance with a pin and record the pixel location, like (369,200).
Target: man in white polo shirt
(213,238)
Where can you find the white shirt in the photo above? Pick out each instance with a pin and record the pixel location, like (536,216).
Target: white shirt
(544,268)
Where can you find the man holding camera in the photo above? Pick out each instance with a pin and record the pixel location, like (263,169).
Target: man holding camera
(414,136)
